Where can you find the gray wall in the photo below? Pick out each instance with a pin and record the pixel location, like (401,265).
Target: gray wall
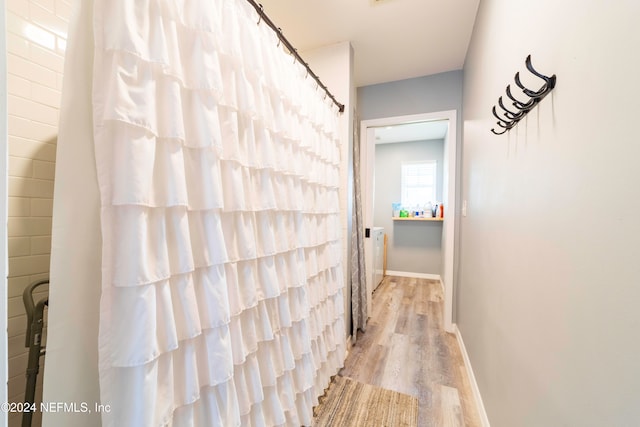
(549,282)
(412,246)
(428,94)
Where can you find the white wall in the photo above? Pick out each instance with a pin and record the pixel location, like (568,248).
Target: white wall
(334,65)
(549,273)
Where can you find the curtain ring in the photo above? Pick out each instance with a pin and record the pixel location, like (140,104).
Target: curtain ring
(260,13)
(279,36)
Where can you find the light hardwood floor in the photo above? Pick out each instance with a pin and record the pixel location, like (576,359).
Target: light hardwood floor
(406,349)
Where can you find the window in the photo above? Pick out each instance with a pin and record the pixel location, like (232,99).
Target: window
(418,183)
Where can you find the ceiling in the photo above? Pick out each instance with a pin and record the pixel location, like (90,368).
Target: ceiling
(392,39)
(420,131)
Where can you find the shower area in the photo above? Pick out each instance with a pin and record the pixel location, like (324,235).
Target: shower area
(194,235)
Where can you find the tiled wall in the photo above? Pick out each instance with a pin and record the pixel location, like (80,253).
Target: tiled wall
(36,38)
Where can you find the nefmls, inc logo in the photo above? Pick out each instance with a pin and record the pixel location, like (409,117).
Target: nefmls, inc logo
(77,407)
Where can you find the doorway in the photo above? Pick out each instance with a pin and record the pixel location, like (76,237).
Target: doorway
(367,160)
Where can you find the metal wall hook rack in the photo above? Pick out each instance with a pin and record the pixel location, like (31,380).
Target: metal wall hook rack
(508,118)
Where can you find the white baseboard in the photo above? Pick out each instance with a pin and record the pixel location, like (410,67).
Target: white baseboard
(416,275)
(482,413)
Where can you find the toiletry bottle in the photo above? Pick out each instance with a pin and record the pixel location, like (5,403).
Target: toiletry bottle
(428,208)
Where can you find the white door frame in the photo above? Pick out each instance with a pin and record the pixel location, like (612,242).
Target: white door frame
(367,162)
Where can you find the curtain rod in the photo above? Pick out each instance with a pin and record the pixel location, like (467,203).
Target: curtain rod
(292,50)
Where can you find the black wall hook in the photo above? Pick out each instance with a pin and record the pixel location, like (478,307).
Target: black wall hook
(522,106)
(511,118)
(550,82)
(510,114)
(500,119)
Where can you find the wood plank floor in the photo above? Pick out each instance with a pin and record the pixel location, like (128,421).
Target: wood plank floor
(406,349)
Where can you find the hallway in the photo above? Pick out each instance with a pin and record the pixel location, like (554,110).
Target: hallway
(406,349)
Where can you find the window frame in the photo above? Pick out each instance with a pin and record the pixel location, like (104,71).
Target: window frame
(432,168)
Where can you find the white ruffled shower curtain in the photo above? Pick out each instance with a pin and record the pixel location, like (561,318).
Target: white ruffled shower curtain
(218,170)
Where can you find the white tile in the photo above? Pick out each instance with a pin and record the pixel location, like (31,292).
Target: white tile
(30,31)
(21,147)
(18,65)
(16,325)
(17,45)
(48,20)
(29,227)
(40,36)
(22,266)
(18,125)
(19,7)
(61,45)
(44,170)
(40,245)
(59,81)
(19,166)
(41,207)
(18,86)
(45,95)
(19,246)
(30,71)
(35,131)
(15,347)
(63,10)
(16,285)
(16,23)
(17,384)
(19,207)
(44,132)
(18,365)
(49,5)
(29,109)
(40,276)
(30,187)
(46,58)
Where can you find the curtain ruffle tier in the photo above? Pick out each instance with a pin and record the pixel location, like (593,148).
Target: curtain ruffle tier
(218,166)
